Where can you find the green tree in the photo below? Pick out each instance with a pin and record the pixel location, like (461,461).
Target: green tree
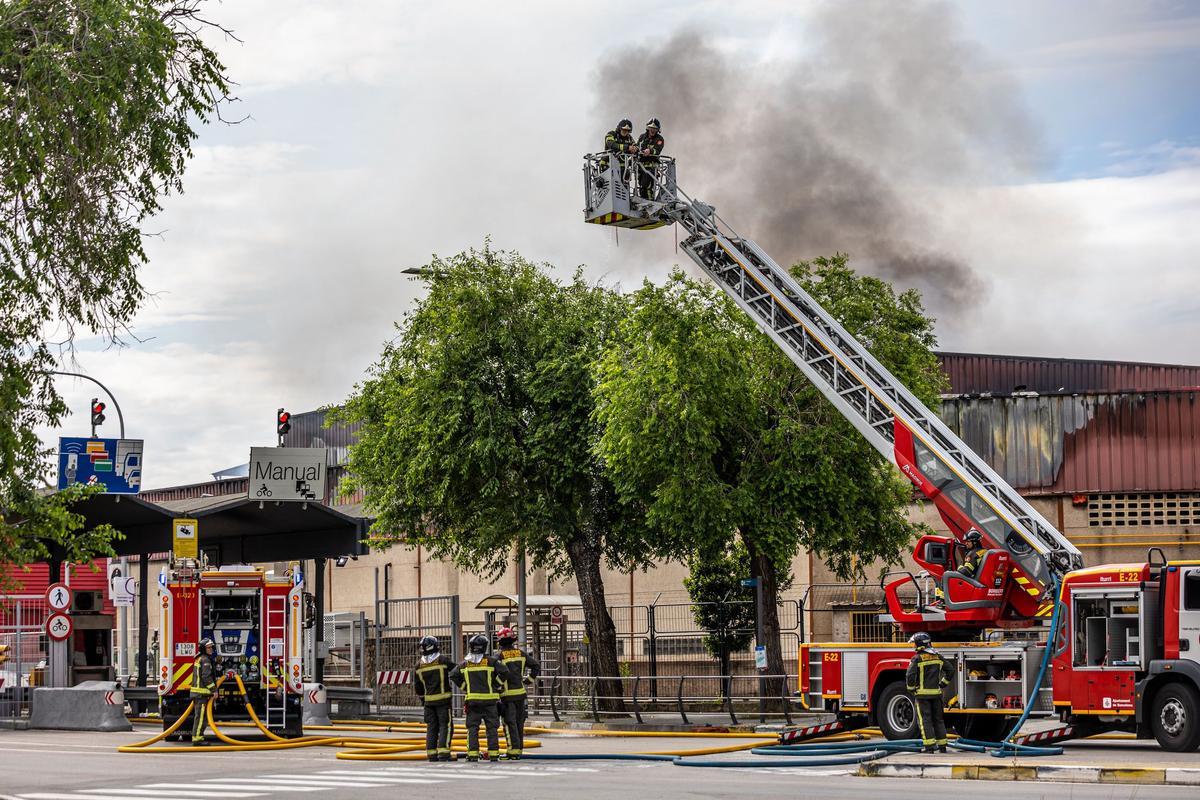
(711,428)
(722,606)
(99,101)
(477,432)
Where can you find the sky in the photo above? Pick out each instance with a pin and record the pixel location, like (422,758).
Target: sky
(1033,168)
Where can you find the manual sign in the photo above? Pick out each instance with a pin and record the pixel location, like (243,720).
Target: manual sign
(287,473)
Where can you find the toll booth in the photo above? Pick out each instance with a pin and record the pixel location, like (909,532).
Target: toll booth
(91,651)
(610,188)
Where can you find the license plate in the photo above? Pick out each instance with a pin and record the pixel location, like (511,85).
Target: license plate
(185,649)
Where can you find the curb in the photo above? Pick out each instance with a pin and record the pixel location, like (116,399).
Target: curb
(1168,776)
(650,727)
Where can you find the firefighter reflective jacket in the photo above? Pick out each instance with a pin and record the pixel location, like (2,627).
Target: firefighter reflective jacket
(970,564)
(518,661)
(618,142)
(654,143)
(481,680)
(204,675)
(432,681)
(927,674)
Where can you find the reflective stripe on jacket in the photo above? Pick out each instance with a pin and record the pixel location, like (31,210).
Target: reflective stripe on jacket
(482,680)
(204,675)
(433,680)
(926,675)
(515,661)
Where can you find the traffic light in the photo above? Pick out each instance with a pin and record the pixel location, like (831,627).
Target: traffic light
(97,411)
(283,422)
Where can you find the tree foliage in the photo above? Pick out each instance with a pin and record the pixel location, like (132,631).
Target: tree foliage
(477,431)
(711,428)
(722,606)
(99,102)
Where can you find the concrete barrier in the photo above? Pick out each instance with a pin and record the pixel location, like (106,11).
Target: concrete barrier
(316,705)
(350,702)
(90,706)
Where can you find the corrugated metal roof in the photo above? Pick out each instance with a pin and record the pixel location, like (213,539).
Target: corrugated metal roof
(974,373)
(308,430)
(196,490)
(1061,444)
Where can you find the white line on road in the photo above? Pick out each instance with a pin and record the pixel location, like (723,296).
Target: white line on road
(292,785)
(380,781)
(64,796)
(155,790)
(446,774)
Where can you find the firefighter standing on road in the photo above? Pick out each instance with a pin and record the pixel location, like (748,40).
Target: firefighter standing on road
(204,683)
(481,678)
(514,700)
(649,147)
(432,682)
(927,674)
(975,552)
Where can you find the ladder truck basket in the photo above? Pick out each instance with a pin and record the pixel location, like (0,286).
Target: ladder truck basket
(610,183)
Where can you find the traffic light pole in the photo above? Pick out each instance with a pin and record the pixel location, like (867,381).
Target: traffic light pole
(116,405)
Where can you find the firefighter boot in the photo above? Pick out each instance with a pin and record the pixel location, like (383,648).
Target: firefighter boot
(941,748)
(473,759)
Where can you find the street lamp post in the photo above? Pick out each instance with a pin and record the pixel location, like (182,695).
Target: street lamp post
(116,405)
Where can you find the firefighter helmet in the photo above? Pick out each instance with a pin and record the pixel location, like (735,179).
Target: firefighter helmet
(654,123)
(207,643)
(478,643)
(625,124)
(974,537)
(429,645)
(921,641)
(506,634)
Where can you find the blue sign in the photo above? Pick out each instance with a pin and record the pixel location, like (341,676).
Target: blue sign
(115,464)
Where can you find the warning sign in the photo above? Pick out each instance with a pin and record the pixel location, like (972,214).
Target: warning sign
(186,538)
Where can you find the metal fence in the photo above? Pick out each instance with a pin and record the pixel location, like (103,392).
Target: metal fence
(345,636)
(400,626)
(22,624)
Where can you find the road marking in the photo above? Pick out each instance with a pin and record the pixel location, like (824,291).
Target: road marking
(337,779)
(63,796)
(448,774)
(177,790)
(291,785)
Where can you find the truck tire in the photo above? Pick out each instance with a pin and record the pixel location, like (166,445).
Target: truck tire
(1175,718)
(896,713)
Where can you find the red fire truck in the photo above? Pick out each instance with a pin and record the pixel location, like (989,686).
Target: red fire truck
(255,620)
(1126,638)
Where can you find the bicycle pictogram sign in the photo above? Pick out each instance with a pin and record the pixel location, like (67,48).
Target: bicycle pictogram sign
(263,492)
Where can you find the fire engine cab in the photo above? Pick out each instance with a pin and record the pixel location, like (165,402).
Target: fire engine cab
(255,619)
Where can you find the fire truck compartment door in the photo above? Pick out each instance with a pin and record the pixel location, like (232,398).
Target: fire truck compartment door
(1189,613)
(855,678)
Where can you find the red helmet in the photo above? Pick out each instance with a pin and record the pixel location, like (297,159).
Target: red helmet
(506,634)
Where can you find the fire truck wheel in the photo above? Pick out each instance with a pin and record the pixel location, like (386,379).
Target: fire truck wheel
(1175,718)
(896,714)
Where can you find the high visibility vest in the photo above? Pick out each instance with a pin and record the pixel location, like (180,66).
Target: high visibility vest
(479,681)
(515,661)
(926,675)
(201,683)
(433,683)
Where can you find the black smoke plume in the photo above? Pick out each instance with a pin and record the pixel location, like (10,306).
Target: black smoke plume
(843,146)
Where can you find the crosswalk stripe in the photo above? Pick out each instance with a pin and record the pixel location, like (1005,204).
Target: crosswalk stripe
(174,793)
(339,780)
(234,787)
(286,784)
(449,775)
(65,796)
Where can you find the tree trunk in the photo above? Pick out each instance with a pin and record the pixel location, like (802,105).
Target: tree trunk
(762,568)
(584,555)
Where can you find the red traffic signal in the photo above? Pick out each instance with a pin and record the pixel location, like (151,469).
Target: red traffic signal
(283,422)
(97,412)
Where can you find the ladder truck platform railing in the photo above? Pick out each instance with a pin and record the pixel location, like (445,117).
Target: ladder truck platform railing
(965,489)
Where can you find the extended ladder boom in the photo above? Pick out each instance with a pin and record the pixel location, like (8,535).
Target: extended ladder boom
(966,490)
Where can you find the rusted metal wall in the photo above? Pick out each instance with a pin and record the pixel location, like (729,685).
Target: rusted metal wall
(1080,444)
(972,373)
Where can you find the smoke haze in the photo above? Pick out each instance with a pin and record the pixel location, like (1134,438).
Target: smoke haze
(837,147)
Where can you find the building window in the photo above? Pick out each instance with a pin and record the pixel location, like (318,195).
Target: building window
(1159,510)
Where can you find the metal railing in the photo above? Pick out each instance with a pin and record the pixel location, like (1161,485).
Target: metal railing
(565,696)
(22,619)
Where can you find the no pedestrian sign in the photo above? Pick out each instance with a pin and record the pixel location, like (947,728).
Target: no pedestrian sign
(59,627)
(58,597)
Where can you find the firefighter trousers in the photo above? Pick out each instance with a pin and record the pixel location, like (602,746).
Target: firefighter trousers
(646,172)
(931,721)
(199,716)
(437,729)
(483,711)
(515,709)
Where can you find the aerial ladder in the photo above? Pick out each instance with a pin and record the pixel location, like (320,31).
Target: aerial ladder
(1026,555)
